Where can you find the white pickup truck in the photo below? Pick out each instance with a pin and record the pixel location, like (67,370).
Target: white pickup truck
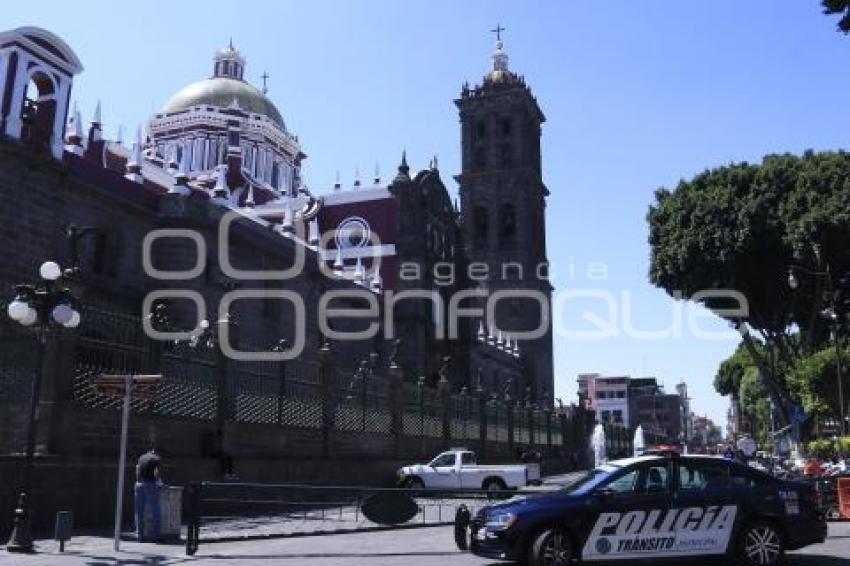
(456,469)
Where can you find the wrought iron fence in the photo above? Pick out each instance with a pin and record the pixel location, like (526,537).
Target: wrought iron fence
(289,394)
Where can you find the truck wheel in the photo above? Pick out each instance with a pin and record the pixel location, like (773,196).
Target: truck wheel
(760,544)
(551,547)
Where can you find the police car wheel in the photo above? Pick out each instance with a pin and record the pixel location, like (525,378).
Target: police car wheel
(551,547)
(761,545)
(415,483)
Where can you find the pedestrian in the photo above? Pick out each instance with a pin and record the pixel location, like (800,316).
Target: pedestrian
(148,483)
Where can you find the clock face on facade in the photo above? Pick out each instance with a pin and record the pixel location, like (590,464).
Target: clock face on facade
(353,232)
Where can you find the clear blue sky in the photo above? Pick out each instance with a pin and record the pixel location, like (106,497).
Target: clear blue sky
(638,94)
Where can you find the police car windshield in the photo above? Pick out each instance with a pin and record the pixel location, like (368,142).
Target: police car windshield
(588,480)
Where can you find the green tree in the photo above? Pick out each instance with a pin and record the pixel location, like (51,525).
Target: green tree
(739,227)
(842,7)
(815,377)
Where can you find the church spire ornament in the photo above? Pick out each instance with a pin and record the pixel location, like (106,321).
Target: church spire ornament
(96,129)
(221,190)
(134,164)
(403,169)
(74,132)
(500,72)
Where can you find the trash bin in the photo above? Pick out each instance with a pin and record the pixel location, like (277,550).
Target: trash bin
(844,497)
(170,507)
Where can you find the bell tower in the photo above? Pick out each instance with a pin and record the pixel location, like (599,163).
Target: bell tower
(503,204)
(36,72)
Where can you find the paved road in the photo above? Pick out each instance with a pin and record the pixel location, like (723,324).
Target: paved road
(428,546)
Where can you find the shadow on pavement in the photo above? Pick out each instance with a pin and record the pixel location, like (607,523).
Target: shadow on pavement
(816,560)
(282,555)
(146,560)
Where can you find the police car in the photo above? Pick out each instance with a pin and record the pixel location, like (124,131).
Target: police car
(651,507)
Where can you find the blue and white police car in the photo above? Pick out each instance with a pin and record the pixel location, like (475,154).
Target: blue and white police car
(651,507)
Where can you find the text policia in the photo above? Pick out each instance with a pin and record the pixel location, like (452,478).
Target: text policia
(475,303)
(661,532)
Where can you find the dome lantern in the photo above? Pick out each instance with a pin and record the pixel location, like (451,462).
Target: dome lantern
(228,62)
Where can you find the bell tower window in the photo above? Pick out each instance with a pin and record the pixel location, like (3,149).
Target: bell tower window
(507,226)
(506,126)
(38,111)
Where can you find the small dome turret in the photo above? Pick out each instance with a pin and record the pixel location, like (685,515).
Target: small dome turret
(228,62)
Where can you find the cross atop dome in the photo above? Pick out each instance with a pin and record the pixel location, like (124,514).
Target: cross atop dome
(229,63)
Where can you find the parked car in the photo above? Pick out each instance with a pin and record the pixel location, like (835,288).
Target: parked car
(458,469)
(652,507)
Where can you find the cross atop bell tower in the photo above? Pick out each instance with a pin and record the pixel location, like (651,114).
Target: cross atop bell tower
(498,31)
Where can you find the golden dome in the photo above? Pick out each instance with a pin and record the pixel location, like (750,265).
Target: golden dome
(221,92)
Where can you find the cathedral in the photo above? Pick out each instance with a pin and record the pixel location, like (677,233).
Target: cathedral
(221,145)
(294,332)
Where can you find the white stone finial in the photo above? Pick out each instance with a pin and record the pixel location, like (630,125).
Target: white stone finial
(376,180)
(134,164)
(74,132)
(338,263)
(313,237)
(95,119)
(288,225)
(181,179)
(357,177)
(359,272)
(95,132)
(220,190)
(377,283)
(249,200)
(482,336)
(337,184)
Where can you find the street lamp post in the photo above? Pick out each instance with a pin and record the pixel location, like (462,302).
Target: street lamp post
(280,347)
(464,409)
(420,385)
(839,371)
(36,305)
(363,373)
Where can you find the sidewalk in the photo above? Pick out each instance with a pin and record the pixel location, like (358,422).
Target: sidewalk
(427,546)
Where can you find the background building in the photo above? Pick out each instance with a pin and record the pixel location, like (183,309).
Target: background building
(634,401)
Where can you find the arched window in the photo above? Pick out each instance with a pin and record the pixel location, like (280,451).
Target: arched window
(507,225)
(481,225)
(38,110)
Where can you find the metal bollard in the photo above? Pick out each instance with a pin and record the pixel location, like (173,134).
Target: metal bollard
(64,527)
